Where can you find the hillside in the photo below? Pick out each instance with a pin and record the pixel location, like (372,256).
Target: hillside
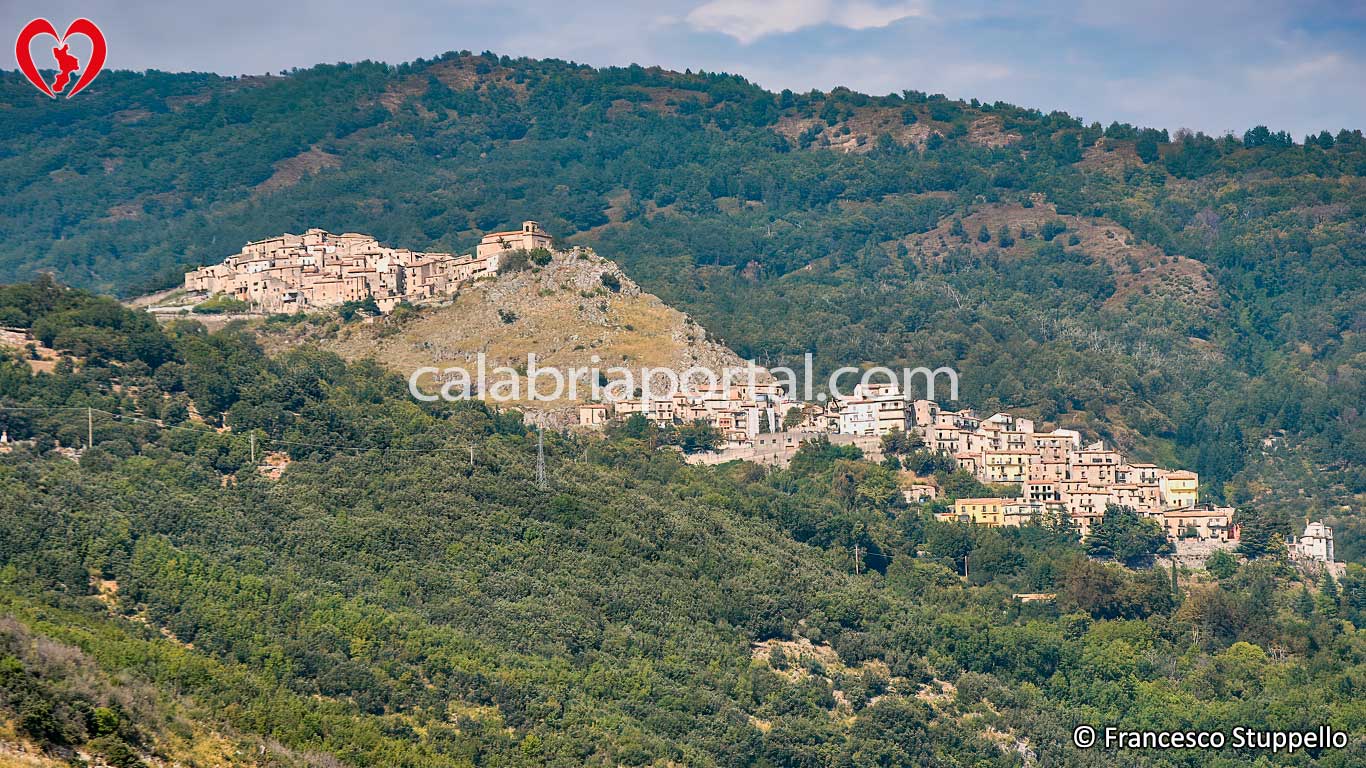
(563,312)
(1209,313)
(60,707)
(1202,305)
(389,600)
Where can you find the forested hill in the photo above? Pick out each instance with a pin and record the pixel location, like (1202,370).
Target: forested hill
(1197,299)
(388,599)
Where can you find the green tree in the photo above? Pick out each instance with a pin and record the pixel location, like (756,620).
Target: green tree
(1126,536)
(901,443)
(1146,148)
(1260,533)
(1221,565)
(698,436)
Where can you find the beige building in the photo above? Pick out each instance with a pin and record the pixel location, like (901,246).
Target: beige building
(594,414)
(1052,468)
(528,238)
(293,273)
(1094,464)
(919,492)
(778,448)
(1206,522)
(769,448)
(1057,475)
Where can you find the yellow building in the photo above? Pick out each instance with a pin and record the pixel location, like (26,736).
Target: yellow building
(1180,489)
(989,512)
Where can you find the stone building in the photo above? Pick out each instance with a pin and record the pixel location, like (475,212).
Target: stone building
(294,273)
(528,238)
(1316,543)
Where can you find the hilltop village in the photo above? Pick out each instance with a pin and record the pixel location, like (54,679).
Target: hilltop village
(1058,475)
(295,273)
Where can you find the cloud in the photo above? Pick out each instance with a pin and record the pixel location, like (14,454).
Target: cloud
(1294,72)
(750,20)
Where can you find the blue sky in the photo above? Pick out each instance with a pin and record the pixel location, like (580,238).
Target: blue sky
(1209,65)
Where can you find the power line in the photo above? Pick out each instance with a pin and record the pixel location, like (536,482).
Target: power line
(198,430)
(46,408)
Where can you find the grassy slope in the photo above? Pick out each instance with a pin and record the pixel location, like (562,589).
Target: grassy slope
(562,313)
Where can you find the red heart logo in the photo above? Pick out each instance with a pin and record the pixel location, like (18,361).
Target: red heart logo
(66,62)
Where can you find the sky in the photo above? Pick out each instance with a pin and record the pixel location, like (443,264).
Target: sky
(1209,65)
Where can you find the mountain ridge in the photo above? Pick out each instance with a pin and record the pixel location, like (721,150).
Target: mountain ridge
(781,243)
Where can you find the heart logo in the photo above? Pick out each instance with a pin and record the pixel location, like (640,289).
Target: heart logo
(67,64)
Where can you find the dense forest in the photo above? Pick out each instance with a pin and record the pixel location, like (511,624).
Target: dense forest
(394,598)
(1195,299)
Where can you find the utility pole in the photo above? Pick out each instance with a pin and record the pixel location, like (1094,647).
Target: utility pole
(253,448)
(471,455)
(89,428)
(858,561)
(540,456)
(965,567)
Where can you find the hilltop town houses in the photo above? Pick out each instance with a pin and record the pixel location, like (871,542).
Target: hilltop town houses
(738,412)
(1057,475)
(293,273)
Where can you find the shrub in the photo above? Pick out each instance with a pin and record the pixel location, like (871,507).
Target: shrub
(1221,564)
(1003,237)
(513,261)
(221,304)
(352,309)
